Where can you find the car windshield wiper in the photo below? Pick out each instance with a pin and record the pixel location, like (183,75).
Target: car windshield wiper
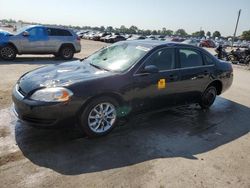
(83,59)
(99,67)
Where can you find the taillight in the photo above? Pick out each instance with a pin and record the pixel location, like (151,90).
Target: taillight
(78,38)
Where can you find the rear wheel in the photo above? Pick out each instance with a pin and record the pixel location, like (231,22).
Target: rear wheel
(99,117)
(208,97)
(8,53)
(67,52)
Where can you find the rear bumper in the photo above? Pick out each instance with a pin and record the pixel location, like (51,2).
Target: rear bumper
(227,80)
(78,47)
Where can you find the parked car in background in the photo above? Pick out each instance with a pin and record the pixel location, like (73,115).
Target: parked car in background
(38,39)
(245,44)
(152,37)
(161,37)
(98,36)
(192,42)
(207,43)
(105,38)
(137,37)
(81,33)
(115,38)
(122,79)
(177,39)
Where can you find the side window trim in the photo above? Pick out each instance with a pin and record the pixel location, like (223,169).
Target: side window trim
(138,71)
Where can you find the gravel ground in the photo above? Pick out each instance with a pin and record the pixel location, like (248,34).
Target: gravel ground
(182,147)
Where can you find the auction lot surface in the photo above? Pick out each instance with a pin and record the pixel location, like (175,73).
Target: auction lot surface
(182,147)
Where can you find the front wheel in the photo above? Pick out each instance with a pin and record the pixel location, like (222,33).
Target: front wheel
(208,97)
(99,117)
(8,53)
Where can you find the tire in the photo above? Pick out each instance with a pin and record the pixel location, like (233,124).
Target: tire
(208,97)
(8,53)
(67,52)
(95,124)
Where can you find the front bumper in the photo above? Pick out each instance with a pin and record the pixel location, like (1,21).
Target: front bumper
(43,114)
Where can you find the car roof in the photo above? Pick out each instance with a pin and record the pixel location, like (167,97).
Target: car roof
(156,43)
(48,26)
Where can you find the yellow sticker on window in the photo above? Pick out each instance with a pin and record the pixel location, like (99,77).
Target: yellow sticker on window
(162,84)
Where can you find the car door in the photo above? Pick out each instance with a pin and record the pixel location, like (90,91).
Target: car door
(54,39)
(34,41)
(194,75)
(155,90)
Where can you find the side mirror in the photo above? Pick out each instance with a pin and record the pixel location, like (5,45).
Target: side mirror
(150,69)
(26,33)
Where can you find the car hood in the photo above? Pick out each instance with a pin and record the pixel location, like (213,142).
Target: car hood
(4,36)
(59,75)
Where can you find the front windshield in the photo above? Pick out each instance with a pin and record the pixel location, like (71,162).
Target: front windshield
(19,31)
(118,57)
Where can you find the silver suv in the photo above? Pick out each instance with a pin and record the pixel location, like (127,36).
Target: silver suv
(39,39)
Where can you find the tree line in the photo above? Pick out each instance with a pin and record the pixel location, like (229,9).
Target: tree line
(135,30)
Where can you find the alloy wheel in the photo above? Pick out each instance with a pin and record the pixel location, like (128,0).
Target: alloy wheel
(67,52)
(102,117)
(7,52)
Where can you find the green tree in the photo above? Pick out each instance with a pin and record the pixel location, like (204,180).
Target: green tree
(163,31)
(169,32)
(246,35)
(199,34)
(133,29)
(202,33)
(102,28)
(123,29)
(110,29)
(154,32)
(147,32)
(208,34)
(216,34)
(181,33)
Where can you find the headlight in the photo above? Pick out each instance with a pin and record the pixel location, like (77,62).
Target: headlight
(58,94)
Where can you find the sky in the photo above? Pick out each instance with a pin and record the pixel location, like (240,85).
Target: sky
(191,15)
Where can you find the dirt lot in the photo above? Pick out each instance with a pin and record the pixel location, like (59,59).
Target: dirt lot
(182,147)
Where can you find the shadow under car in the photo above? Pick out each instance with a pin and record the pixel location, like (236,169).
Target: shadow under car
(180,132)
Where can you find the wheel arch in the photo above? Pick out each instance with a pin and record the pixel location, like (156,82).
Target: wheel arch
(13,45)
(217,84)
(117,97)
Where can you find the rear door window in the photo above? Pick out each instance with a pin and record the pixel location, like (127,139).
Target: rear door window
(58,32)
(190,58)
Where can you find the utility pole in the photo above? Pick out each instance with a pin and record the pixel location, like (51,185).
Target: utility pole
(236,26)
